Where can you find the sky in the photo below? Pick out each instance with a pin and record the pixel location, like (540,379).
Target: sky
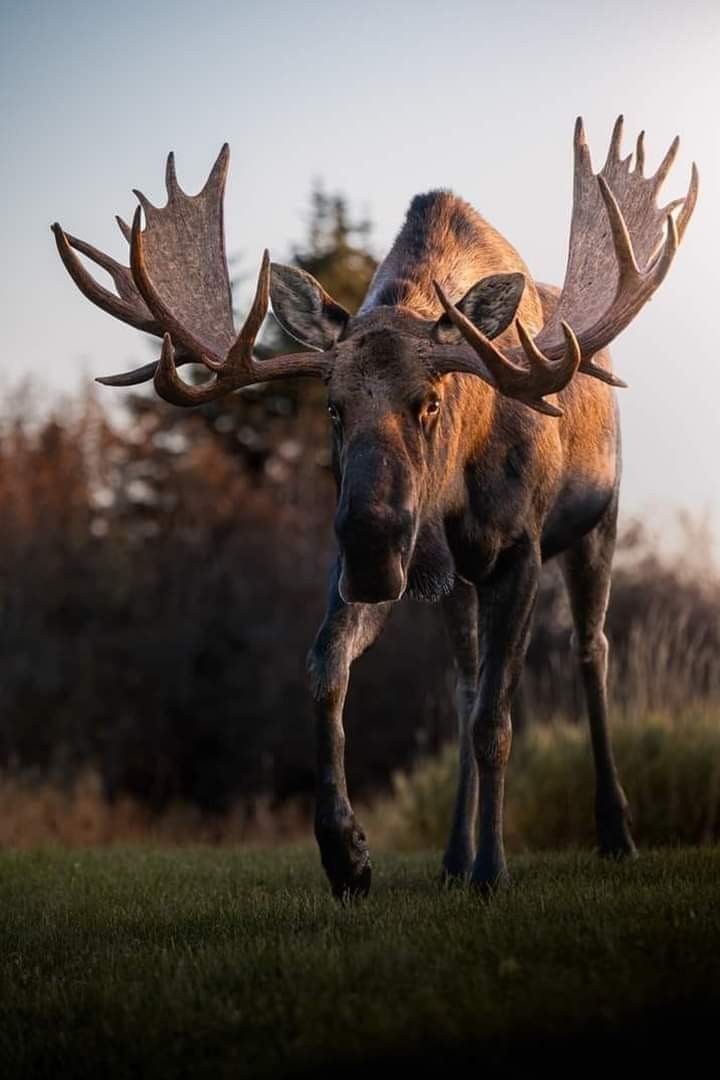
(379,100)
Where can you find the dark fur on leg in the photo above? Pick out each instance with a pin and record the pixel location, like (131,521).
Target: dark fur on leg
(587,569)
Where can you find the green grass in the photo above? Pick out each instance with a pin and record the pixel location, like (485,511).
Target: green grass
(218,963)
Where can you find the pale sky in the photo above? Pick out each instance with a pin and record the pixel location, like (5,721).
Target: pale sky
(380,100)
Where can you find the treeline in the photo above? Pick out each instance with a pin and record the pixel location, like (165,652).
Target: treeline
(162,575)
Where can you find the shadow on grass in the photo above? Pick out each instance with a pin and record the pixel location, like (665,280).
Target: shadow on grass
(669,1040)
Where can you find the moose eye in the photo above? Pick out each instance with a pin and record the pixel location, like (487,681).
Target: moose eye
(334,415)
(430,410)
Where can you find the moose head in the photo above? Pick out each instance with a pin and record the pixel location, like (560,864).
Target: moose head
(386,367)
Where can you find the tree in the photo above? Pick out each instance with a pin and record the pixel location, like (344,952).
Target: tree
(337,252)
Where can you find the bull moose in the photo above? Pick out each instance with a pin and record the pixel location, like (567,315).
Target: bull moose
(475,434)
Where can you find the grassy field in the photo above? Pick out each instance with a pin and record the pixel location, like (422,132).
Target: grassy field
(220,963)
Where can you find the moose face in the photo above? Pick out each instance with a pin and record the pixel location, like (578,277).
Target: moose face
(385,406)
(392,416)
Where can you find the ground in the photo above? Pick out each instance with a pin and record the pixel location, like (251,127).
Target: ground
(217,963)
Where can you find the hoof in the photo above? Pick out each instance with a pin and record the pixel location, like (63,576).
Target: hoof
(355,888)
(346,858)
(456,869)
(449,879)
(614,838)
(618,849)
(489,876)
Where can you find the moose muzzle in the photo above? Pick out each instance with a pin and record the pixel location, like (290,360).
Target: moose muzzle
(374,562)
(375,526)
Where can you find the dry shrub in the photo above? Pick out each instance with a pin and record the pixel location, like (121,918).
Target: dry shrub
(669,765)
(38,812)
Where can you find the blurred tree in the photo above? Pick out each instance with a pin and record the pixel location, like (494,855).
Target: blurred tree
(337,251)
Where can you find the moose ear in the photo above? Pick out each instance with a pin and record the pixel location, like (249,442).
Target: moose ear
(490,305)
(304,309)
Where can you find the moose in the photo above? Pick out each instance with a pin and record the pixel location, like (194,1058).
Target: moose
(475,434)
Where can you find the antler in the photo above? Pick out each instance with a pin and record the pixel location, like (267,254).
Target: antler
(616,261)
(528,384)
(178,287)
(238,368)
(617,257)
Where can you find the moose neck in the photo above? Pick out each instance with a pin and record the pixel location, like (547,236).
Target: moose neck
(444,239)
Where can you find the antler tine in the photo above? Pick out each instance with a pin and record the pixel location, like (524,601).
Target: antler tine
(556,373)
(621,237)
(119,306)
(100,258)
(666,164)
(123,227)
(149,208)
(175,390)
(528,384)
(239,359)
(630,272)
(130,378)
(256,316)
(218,174)
(581,148)
(580,137)
(688,202)
(613,153)
(499,366)
(661,265)
(142,374)
(640,153)
(171,183)
(589,367)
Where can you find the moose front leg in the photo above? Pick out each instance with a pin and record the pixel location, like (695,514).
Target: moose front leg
(506,602)
(460,610)
(347,631)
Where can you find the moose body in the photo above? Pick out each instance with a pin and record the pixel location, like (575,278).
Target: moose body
(475,436)
(494,490)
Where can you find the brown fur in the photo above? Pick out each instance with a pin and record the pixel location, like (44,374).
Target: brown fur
(444,239)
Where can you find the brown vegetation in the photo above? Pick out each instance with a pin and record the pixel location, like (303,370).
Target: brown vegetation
(670,762)
(167,683)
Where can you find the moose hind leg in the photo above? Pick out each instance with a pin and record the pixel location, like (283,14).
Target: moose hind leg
(347,631)
(506,602)
(587,570)
(460,611)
